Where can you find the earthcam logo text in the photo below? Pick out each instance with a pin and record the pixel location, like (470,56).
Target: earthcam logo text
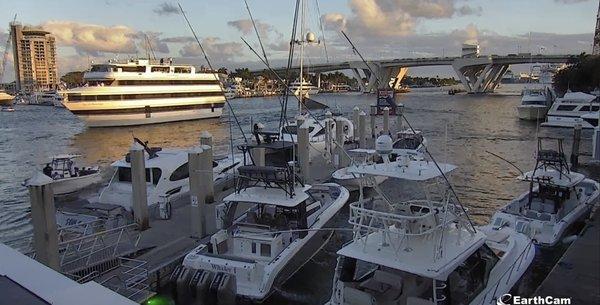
(509,299)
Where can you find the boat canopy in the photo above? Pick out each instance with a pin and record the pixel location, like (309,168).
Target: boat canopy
(553,177)
(270,195)
(404,168)
(579,97)
(65,157)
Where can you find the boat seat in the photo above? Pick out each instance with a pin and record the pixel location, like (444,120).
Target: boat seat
(390,279)
(353,296)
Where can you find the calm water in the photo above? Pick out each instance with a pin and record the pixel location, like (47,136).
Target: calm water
(460,129)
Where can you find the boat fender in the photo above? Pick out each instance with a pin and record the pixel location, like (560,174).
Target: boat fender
(200,285)
(183,295)
(569,239)
(224,289)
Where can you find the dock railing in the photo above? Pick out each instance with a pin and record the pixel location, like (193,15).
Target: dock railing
(131,281)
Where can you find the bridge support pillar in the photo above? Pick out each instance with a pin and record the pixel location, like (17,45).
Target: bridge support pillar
(359,78)
(479,75)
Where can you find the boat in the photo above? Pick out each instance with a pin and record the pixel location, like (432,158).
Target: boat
(7,109)
(230,93)
(307,88)
(282,225)
(424,251)
(143,92)
(167,176)
(361,157)
(317,132)
(534,104)
(409,142)
(68,178)
(567,111)
(46,98)
(6,100)
(557,198)
(591,118)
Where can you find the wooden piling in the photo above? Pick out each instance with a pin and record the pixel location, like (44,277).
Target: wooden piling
(576,143)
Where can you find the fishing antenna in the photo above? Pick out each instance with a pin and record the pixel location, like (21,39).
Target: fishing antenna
(426,148)
(322,30)
(505,160)
(256,30)
(214,73)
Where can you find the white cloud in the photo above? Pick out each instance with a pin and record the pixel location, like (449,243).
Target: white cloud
(217,51)
(166,8)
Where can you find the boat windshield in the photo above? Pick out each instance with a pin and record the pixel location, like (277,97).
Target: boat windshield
(152,174)
(293,129)
(534,102)
(471,277)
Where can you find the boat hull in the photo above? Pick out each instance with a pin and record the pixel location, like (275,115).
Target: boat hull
(71,185)
(532,113)
(131,119)
(565,122)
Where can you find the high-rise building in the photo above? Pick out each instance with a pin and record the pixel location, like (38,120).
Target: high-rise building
(596,50)
(34,53)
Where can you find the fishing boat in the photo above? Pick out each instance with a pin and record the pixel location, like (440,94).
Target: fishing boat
(534,104)
(167,176)
(557,198)
(317,131)
(68,178)
(424,251)
(283,223)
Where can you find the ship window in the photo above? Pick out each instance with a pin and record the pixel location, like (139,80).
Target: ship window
(595,108)
(101,68)
(566,107)
(183,70)
(471,277)
(182,172)
(160,69)
(124,174)
(139,69)
(584,108)
(265,250)
(156,172)
(254,248)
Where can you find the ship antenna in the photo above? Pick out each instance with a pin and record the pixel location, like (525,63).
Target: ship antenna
(215,74)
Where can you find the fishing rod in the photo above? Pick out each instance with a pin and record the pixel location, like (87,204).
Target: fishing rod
(322,30)
(413,130)
(505,160)
(289,64)
(256,30)
(214,73)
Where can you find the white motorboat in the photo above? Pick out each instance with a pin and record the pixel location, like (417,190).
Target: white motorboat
(424,251)
(46,98)
(317,132)
(409,142)
(7,109)
(567,111)
(230,93)
(167,176)
(142,92)
(258,251)
(534,104)
(591,118)
(353,181)
(68,178)
(557,198)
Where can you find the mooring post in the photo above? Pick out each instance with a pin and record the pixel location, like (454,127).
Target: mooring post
(576,142)
(355,114)
(43,217)
(258,155)
(139,196)
(340,159)
(400,117)
(208,186)
(596,142)
(362,130)
(373,117)
(206,138)
(329,133)
(197,193)
(303,152)
(386,121)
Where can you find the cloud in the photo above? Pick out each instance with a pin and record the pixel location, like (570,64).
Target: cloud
(216,50)
(570,1)
(166,8)
(92,39)
(178,39)
(393,18)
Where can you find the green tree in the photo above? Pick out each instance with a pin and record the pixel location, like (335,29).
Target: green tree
(73,79)
(583,74)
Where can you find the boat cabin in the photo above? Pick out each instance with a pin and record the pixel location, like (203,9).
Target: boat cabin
(63,166)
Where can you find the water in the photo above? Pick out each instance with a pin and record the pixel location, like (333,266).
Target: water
(460,129)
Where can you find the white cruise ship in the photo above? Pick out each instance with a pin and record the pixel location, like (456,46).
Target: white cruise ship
(140,92)
(307,88)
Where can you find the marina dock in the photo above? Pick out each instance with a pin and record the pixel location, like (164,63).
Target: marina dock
(577,273)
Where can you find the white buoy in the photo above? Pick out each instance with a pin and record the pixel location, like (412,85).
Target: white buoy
(43,218)
(138,185)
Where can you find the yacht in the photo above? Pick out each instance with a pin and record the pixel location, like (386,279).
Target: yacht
(46,98)
(6,100)
(167,176)
(68,178)
(567,111)
(307,88)
(556,199)
(534,104)
(142,92)
(423,251)
(591,118)
(282,225)
(409,142)
(317,132)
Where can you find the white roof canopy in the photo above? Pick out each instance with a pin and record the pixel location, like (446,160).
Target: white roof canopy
(553,177)
(404,169)
(270,195)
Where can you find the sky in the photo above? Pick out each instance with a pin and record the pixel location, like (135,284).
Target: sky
(95,31)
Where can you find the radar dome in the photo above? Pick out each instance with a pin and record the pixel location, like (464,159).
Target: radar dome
(310,37)
(383,144)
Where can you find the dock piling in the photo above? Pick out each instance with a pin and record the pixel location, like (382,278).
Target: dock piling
(355,120)
(596,144)
(258,155)
(362,130)
(197,191)
(575,148)
(386,121)
(340,159)
(328,133)
(43,217)
(138,186)
(373,117)
(400,117)
(303,152)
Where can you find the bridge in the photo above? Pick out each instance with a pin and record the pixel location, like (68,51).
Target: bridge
(478,74)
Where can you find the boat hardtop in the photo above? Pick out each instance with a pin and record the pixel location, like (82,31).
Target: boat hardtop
(553,177)
(404,168)
(277,197)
